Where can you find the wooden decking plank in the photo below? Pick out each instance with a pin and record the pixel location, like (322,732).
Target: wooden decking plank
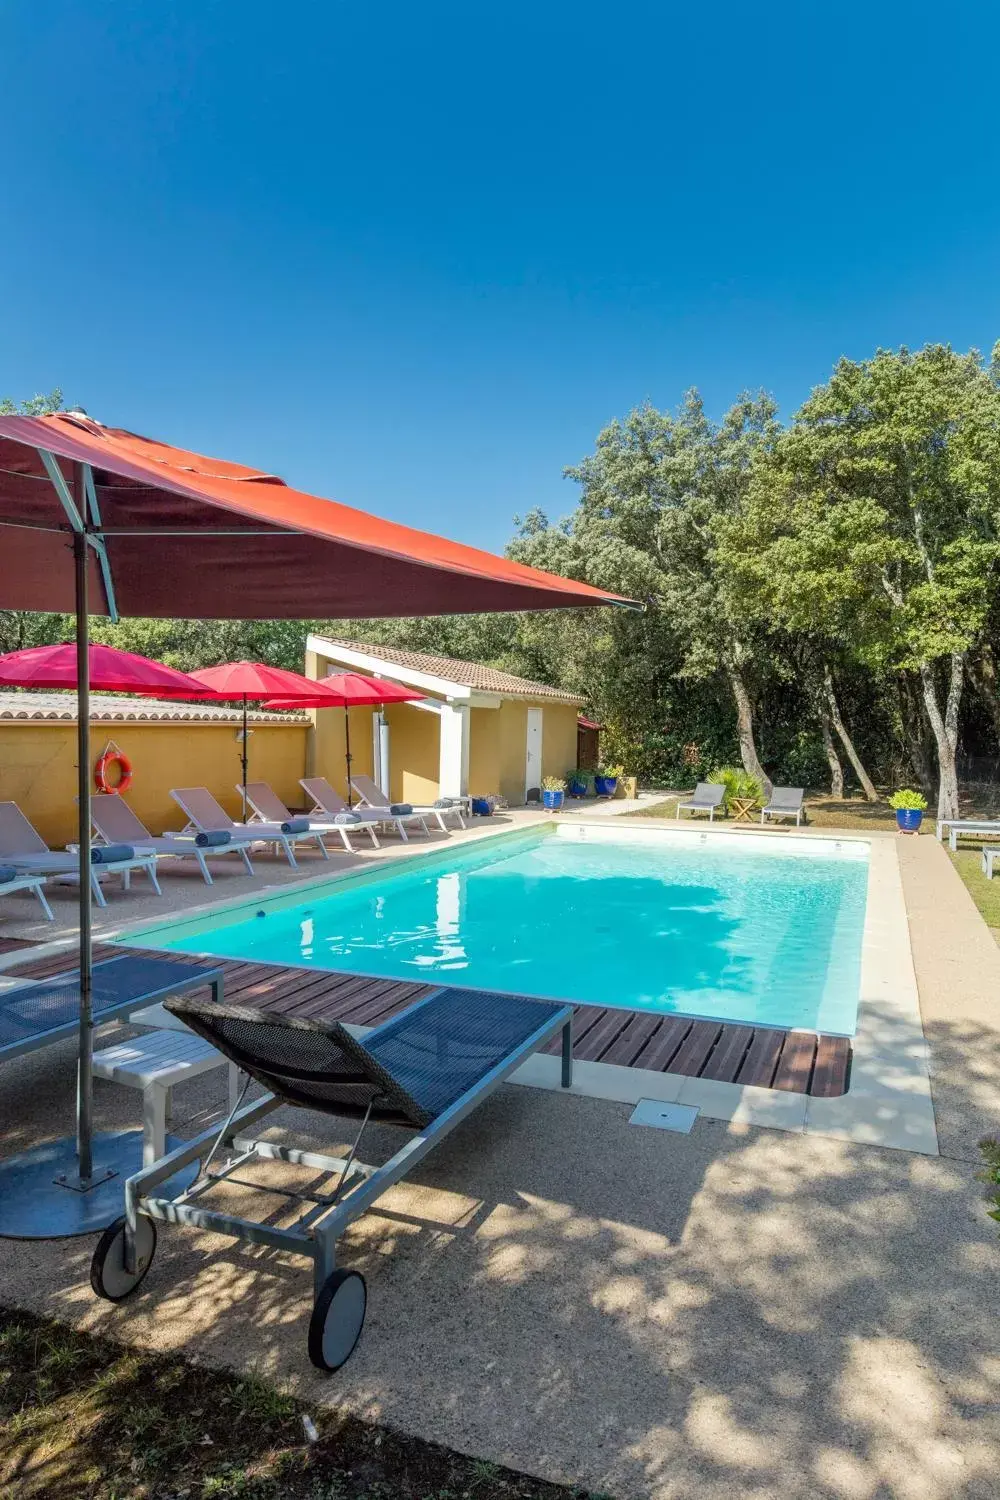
(727,1056)
(659,1052)
(833,1056)
(585,1017)
(600,1037)
(762,1057)
(796,1063)
(697,1045)
(626,1047)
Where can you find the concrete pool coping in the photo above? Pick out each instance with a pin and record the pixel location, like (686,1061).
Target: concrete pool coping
(889,1099)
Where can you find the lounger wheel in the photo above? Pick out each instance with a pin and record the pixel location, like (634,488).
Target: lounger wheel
(108,1275)
(337,1319)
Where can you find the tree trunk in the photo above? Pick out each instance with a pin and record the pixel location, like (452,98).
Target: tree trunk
(913,726)
(982,670)
(944,727)
(744,726)
(832,758)
(845,739)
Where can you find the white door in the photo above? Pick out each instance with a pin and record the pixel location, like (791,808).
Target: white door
(533,751)
(380,753)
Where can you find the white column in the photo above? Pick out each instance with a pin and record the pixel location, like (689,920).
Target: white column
(453,769)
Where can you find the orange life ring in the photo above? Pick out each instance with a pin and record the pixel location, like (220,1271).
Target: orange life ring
(113,758)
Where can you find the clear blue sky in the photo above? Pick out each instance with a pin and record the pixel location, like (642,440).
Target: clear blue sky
(415,256)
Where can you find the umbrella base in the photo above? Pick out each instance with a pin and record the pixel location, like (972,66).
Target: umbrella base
(35,1206)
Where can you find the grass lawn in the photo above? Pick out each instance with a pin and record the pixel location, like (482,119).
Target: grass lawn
(83,1418)
(985,893)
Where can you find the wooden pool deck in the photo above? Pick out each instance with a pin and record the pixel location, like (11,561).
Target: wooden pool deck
(799,1062)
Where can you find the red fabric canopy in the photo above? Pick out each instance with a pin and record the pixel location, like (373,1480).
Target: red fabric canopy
(202,538)
(111,671)
(255,679)
(350,690)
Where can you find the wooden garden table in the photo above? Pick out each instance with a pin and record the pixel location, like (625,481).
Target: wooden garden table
(743,809)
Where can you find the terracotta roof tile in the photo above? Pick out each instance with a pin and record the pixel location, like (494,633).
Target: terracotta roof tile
(466,673)
(110,708)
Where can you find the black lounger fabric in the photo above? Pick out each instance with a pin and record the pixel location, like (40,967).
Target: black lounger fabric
(409,1071)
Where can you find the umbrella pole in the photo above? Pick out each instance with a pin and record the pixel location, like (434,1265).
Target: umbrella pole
(244,757)
(85,1080)
(347,754)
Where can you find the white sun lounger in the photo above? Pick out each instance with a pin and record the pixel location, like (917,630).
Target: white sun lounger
(269,808)
(33,883)
(330,803)
(23,847)
(985,828)
(117,823)
(708,797)
(786,802)
(207,815)
(372,796)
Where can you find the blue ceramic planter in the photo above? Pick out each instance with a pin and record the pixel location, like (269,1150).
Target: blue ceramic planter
(553,800)
(909,819)
(605,785)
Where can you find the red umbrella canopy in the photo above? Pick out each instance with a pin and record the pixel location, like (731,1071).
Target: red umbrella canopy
(111,671)
(177,533)
(255,679)
(350,690)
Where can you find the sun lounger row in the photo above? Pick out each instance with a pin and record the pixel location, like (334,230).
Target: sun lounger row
(124,844)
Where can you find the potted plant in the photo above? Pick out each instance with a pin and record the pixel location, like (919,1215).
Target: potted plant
(553,792)
(606,780)
(579,783)
(909,807)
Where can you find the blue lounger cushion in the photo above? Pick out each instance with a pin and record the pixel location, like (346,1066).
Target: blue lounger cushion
(347,818)
(295,825)
(214,838)
(109,854)
(400,809)
(7,874)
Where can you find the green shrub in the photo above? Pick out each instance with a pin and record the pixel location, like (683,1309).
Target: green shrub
(907,799)
(737,782)
(991,1155)
(553,784)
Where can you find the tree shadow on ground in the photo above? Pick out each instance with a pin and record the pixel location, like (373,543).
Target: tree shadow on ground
(738,1312)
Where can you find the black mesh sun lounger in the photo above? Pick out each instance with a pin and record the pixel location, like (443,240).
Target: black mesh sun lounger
(424,1070)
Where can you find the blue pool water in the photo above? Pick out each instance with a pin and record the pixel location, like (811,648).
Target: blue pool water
(725,927)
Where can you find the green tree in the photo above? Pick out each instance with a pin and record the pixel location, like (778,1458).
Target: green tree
(873,523)
(652,497)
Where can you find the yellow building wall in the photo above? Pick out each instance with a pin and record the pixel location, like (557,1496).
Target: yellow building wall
(484,752)
(559,740)
(327,748)
(38,768)
(512,737)
(414,753)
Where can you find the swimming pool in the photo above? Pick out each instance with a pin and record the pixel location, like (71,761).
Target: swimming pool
(727,926)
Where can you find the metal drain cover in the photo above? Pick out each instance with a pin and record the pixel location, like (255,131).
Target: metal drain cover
(679,1117)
